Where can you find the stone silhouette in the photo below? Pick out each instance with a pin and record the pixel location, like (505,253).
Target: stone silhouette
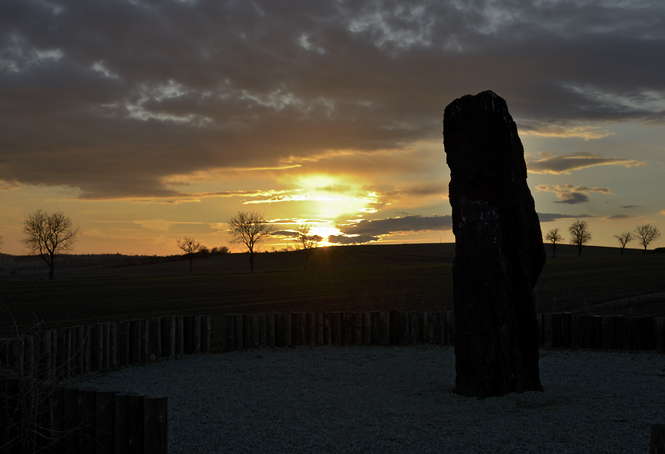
(499,251)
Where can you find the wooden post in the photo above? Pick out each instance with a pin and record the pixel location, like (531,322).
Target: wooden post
(44,353)
(254,322)
(403,328)
(179,335)
(134,341)
(649,338)
(383,327)
(608,332)
(441,328)
(136,424)
(587,329)
(577,332)
(270,330)
(104,421)
(155,427)
(311,329)
(367,328)
(567,329)
(123,343)
(106,345)
(319,328)
(229,342)
(287,327)
(238,334)
(659,334)
(617,335)
(205,333)
(414,327)
(279,330)
(263,331)
(327,328)
(347,328)
(450,327)
(196,334)
(357,328)
(165,331)
(301,320)
(431,328)
(29,357)
(657,439)
(145,341)
(121,426)
(546,329)
(246,331)
(336,327)
(155,338)
(557,330)
(629,325)
(85,409)
(97,346)
(113,345)
(67,418)
(597,322)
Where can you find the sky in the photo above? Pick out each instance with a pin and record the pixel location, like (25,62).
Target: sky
(148,121)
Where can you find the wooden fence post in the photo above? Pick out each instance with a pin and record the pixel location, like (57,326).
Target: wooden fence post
(85,409)
(608,332)
(97,346)
(659,333)
(319,328)
(121,426)
(155,338)
(123,343)
(229,343)
(254,322)
(286,324)
(657,439)
(104,421)
(629,331)
(450,327)
(270,330)
(67,417)
(113,345)
(263,330)
(205,333)
(155,431)
(167,337)
(246,331)
(311,329)
(367,328)
(279,330)
(134,341)
(180,335)
(414,327)
(188,331)
(347,328)
(357,328)
(145,340)
(383,327)
(566,330)
(238,337)
(196,334)
(327,328)
(136,424)
(649,339)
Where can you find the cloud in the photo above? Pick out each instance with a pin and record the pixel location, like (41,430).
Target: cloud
(630,206)
(618,216)
(111,97)
(584,132)
(379,227)
(571,194)
(359,239)
(558,164)
(551,217)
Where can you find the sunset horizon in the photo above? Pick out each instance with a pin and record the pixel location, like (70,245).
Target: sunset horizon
(148,122)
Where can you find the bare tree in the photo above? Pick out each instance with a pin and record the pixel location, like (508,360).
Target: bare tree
(646,234)
(580,235)
(624,238)
(190,247)
(306,241)
(249,228)
(49,234)
(554,237)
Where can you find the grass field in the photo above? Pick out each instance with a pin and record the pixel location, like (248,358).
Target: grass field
(341,279)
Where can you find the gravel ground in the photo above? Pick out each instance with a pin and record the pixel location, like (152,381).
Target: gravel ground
(397,399)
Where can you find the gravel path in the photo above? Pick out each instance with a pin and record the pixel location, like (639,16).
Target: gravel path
(398,399)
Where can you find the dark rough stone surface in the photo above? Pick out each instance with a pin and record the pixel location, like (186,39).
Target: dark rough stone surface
(499,249)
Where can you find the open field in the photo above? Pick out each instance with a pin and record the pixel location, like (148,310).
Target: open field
(356,278)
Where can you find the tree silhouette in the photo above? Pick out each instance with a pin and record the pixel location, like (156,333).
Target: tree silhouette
(624,238)
(580,235)
(554,237)
(249,228)
(646,234)
(190,247)
(306,241)
(48,235)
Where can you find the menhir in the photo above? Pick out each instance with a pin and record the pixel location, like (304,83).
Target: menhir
(499,250)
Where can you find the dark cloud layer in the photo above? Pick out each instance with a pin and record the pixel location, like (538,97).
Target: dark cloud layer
(111,97)
(565,163)
(402,224)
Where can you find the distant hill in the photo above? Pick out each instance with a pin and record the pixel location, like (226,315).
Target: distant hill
(369,255)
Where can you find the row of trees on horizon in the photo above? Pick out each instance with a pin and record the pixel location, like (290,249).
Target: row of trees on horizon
(580,235)
(49,234)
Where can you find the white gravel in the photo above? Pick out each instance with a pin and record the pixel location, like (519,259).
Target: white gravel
(397,399)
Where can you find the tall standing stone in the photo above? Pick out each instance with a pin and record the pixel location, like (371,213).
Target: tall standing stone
(499,250)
